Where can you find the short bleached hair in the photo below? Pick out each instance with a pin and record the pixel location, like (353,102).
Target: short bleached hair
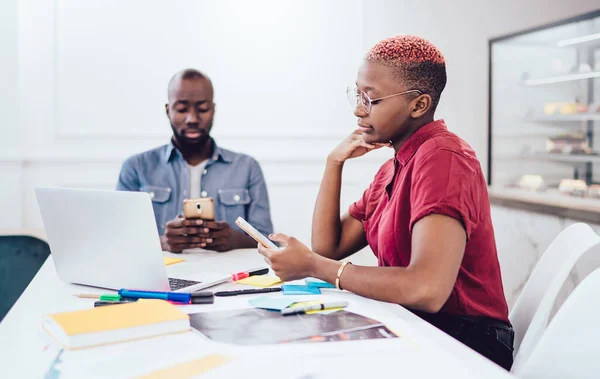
(415,61)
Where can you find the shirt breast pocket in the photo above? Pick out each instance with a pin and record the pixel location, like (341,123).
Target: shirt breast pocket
(233,203)
(160,197)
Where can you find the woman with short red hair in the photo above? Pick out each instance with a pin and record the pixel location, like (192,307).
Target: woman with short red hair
(426,215)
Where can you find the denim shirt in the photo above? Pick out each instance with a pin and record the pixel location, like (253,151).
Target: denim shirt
(234,181)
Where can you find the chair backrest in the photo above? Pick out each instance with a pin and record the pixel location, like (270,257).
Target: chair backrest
(569,346)
(20,259)
(534,307)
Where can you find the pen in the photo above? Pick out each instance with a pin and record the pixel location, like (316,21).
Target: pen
(247,292)
(102,302)
(242,275)
(175,297)
(100,297)
(179,297)
(315,307)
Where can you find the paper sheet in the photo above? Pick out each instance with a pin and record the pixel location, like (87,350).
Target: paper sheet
(171,261)
(131,359)
(259,281)
(191,368)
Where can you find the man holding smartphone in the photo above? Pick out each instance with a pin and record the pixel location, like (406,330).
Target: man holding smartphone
(192,166)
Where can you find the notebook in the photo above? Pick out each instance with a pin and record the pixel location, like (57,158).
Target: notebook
(116,323)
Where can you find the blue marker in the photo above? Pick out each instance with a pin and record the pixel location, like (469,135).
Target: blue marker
(176,297)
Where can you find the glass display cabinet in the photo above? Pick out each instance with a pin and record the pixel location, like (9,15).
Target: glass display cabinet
(544,116)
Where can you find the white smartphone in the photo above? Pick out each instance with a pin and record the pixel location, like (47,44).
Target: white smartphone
(252,232)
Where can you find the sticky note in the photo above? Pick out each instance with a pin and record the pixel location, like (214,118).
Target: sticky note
(292,289)
(259,281)
(324,311)
(305,303)
(312,282)
(171,261)
(190,368)
(272,303)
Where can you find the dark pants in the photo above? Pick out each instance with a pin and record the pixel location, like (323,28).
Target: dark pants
(489,337)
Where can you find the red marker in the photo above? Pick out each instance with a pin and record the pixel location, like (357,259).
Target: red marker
(242,275)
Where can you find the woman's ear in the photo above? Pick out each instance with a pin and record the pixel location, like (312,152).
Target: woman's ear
(421,105)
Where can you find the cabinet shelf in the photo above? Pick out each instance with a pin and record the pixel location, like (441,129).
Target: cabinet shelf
(578,40)
(567,158)
(562,78)
(565,118)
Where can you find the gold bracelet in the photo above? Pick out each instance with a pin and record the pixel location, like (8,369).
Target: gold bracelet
(339,274)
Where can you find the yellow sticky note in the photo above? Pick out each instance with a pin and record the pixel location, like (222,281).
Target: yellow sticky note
(330,310)
(172,261)
(259,281)
(305,303)
(189,369)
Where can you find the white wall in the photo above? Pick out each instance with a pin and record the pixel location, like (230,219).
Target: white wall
(92,87)
(91,84)
(10,159)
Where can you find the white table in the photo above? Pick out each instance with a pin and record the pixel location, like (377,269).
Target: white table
(24,353)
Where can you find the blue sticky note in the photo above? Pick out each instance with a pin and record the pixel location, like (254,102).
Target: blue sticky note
(312,282)
(292,289)
(272,303)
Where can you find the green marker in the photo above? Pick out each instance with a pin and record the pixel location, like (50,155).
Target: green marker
(110,298)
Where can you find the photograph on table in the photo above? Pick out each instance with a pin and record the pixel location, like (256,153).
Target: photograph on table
(259,327)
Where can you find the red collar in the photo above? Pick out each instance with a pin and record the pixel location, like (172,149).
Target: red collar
(413,143)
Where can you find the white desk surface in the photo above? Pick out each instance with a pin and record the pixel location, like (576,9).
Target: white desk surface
(24,351)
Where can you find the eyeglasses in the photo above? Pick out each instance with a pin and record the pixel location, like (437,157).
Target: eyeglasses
(356,97)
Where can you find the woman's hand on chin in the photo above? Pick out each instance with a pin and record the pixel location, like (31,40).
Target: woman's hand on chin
(353,146)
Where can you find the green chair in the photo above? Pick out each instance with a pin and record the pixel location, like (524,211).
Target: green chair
(20,259)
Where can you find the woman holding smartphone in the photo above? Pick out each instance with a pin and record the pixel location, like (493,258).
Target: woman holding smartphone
(426,215)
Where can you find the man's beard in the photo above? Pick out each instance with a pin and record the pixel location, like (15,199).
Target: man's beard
(190,145)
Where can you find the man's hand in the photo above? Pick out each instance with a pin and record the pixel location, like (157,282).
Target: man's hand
(294,261)
(224,238)
(181,234)
(220,235)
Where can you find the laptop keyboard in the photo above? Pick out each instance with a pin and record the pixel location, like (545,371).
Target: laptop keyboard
(177,284)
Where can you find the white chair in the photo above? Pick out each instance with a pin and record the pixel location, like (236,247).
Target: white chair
(532,311)
(569,346)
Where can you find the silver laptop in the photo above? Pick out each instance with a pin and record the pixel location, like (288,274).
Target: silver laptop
(109,239)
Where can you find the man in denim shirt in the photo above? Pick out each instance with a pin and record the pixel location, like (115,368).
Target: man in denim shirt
(191,165)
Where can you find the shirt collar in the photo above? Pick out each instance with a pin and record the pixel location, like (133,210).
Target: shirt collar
(218,153)
(413,143)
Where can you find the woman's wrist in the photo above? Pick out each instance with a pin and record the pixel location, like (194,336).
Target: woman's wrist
(332,160)
(324,268)
(313,270)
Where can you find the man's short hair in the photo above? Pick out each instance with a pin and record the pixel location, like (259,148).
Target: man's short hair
(188,73)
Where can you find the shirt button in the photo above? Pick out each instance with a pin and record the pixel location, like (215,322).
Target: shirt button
(204,194)
(204,172)
(236,197)
(151,195)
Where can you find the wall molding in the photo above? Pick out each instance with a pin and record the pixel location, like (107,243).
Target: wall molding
(298,155)
(70,134)
(77,159)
